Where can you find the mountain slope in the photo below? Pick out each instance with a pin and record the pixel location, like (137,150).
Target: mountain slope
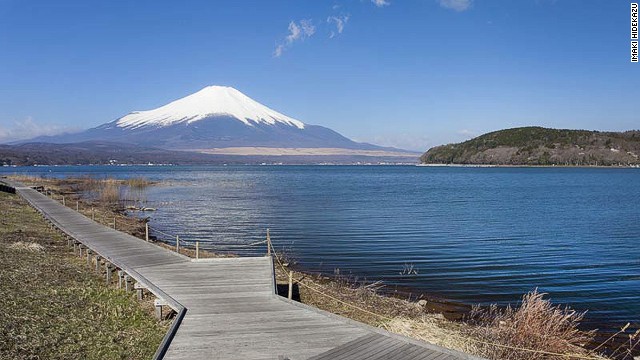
(541,146)
(214,117)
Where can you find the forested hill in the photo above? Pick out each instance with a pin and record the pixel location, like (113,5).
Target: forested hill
(541,146)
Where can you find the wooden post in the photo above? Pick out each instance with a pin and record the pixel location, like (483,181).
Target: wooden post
(63,202)
(77,206)
(114,222)
(139,290)
(89,252)
(120,278)
(98,258)
(146,231)
(127,283)
(268,243)
(108,267)
(197,249)
(93,214)
(290,285)
(177,244)
(158,304)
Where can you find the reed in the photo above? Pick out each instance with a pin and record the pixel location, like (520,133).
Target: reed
(138,183)
(109,192)
(537,324)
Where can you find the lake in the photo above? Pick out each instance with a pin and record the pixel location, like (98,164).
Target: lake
(472,235)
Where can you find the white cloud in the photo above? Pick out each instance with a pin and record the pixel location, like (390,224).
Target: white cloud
(278,51)
(380,3)
(297,32)
(28,129)
(340,22)
(457,5)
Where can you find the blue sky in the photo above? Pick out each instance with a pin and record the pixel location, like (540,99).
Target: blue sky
(406,73)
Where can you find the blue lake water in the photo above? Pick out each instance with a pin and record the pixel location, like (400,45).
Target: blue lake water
(474,235)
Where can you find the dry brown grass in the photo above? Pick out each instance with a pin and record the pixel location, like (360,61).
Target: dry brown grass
(109,193)
(434,329)
(138,183)
(536,324)
(27,246)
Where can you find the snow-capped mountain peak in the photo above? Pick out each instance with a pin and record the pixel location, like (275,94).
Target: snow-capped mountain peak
(212,101)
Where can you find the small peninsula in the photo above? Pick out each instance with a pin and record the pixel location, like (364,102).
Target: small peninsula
(538,146)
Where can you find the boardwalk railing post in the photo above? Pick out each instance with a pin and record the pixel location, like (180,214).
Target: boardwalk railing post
(109,268)
(77,206)
(114,222)
(63,202)
(93,214)
(158,304)
(177,244)
(120,278)
(290,285)
(146,231)
(268,243)
(128,282)
(139,290)
(197,249)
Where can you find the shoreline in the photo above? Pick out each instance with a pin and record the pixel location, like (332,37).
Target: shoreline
(449,315)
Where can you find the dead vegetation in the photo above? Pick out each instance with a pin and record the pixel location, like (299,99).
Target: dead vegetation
(536,324)
(27,246)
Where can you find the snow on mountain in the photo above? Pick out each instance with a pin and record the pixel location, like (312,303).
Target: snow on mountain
(212,101)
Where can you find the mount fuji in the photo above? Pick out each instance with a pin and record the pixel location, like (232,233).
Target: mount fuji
(222,120)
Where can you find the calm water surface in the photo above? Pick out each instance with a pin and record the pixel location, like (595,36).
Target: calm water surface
(475,235)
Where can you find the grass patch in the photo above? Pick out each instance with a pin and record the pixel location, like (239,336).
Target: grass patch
(54,307)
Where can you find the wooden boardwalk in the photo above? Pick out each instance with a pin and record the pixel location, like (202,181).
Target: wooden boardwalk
(227,308)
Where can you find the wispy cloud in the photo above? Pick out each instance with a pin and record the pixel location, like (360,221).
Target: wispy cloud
(297,32)
(28,129)
(457,5)
(339,22)
(380,3)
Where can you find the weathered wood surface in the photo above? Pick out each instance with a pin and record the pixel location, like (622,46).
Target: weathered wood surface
(232,311)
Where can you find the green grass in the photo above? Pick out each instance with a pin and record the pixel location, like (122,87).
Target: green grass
(55,307)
